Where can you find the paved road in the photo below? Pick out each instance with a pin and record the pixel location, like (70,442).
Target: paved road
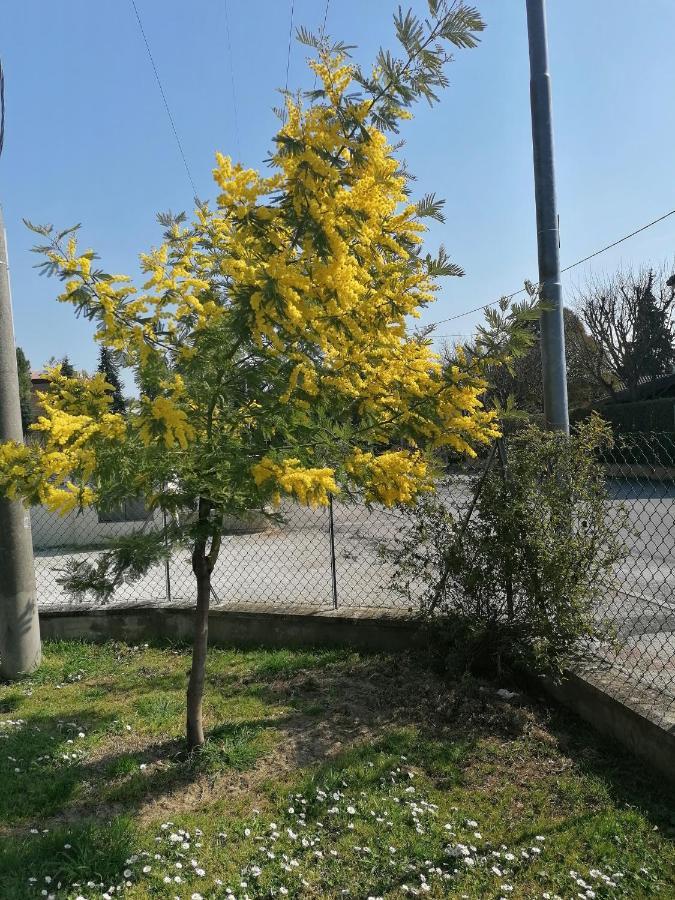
(649,570)
(290,566)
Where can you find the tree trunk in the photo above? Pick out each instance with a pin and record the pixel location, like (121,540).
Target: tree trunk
(195,691)
(202,566)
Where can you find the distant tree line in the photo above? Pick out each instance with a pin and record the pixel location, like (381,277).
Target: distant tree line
(619,338)
(628,336)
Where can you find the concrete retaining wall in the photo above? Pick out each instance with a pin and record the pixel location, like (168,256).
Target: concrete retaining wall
(235,628)
(641,734)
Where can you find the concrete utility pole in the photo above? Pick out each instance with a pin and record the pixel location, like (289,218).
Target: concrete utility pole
(554,368)
(20,649)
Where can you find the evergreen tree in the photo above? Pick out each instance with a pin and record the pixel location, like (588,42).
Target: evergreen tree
(107,366)
(25,389)
(652,353)
(67,367)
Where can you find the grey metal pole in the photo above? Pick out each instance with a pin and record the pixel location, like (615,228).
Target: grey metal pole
(554,369)
(20,649)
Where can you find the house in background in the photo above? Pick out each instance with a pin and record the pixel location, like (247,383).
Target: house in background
(39,383)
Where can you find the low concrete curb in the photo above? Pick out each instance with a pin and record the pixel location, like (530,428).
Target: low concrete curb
(647,471)
(615,713)
(596,700)
(241,628)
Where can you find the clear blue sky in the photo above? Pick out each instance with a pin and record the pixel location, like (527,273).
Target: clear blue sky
(88,139)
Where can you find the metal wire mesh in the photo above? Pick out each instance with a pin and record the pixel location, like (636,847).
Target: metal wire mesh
(640,470)
(82,535)
(332,559)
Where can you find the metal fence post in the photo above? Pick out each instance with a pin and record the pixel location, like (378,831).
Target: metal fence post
(333,568)
(167,562)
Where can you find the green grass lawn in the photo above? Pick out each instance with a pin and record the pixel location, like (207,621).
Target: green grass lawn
(326,774)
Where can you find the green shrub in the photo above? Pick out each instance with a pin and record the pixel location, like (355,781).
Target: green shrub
(518,580)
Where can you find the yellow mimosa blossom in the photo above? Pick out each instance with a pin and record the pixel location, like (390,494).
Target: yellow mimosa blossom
(391,477)
(311,486)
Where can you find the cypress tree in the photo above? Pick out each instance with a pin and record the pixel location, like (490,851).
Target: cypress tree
(25,390)
(652,353)
(107,365)
(67,368)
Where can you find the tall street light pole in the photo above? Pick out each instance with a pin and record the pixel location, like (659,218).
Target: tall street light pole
(554,369)
(20,651)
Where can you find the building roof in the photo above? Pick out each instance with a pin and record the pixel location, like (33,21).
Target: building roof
(649,389)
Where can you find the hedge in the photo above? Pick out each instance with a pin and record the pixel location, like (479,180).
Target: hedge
(640,415)
(644,429)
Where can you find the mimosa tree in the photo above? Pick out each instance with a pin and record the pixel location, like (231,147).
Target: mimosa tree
(269,341)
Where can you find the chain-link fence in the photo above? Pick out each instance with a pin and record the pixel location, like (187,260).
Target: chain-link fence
(332,559)
(308,559)
(640,470)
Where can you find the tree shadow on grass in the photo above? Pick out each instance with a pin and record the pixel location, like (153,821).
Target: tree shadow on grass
(41,764)
(9,703)
(52,791)
(622,777)
(139,772)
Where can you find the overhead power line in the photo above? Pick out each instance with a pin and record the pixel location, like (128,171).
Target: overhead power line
(620,241)
(322,33)
(166,102)
(288,55)
(325,18)
(2,108)
(565,269)
(234,93)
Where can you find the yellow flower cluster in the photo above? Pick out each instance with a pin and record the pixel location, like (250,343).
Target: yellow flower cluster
(66,498)
(15,469)
(395,476)
(312,486)
(76,416)
(28,474)
(173,423)
(36,476)
(58,468)
(355,296)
